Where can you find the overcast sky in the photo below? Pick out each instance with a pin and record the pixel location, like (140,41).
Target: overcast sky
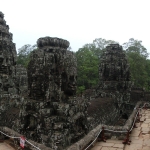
(78,21)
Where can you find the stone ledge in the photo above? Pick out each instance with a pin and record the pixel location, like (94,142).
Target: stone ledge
(81,144)
(92,134)
(13,133)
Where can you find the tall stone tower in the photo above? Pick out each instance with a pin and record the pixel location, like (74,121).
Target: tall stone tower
(52,114)
(114,75)
(8,91)
(13,78)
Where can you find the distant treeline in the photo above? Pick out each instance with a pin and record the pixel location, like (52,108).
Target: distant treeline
(88,58)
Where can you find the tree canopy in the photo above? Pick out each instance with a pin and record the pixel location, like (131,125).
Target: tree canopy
(88,58)
(24,54)
(138,59)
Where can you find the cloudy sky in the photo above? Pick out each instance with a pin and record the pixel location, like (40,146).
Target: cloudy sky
(78,21)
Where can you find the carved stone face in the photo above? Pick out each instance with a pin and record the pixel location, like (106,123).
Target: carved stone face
(69,75)
(37,87)
(71,87)
(69,81)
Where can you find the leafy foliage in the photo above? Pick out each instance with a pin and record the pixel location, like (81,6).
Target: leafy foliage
(24,54)
(137,57)
(88,62)
(87,68)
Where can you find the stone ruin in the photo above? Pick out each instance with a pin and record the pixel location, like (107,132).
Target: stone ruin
(113,92)
(13,78)
(51,114)
(8,90)
(41,102)
(114,75)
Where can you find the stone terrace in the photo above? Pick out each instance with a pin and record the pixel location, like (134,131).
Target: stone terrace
(140,137)
(5,146)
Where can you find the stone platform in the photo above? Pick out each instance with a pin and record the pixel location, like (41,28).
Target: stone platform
(140,137)
(5,146)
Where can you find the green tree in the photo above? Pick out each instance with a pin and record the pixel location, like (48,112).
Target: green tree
(87,68)
(148,73)
(24,54)
(137,57)
(135,46)
(102,43)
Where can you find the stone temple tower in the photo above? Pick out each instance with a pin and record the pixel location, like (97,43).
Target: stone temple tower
(13,78)
(114,75)
(52,114)
(8,90)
